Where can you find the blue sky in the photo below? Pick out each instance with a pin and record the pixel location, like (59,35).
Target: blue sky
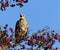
(39,13)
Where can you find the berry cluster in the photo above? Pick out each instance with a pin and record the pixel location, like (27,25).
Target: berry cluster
(44,40)
(4,4)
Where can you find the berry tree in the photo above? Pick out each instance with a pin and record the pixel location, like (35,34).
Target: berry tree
(42,38)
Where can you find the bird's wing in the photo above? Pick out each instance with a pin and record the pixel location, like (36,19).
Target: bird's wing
(17,26)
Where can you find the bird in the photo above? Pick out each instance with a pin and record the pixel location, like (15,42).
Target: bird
(21,27)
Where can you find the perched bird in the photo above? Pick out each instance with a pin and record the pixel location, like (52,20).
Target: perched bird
(21,27)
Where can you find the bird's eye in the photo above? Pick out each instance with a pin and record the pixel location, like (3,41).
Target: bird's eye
(20,15)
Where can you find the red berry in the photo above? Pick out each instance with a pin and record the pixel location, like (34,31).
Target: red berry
(6,25)
(56,49)
(17,30)
(23,46)
(56,36)
(12,5)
